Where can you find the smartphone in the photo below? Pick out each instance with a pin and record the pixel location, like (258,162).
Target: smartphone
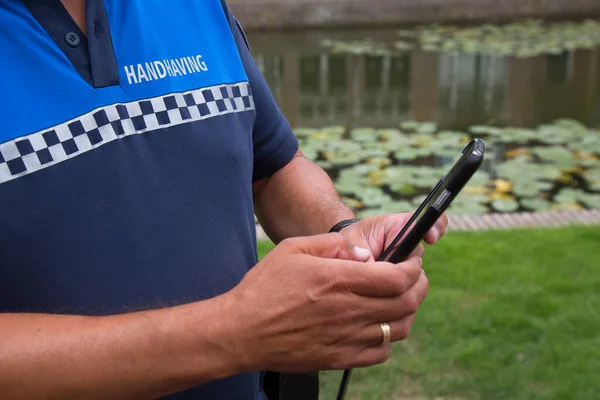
(435,204)
(430,210)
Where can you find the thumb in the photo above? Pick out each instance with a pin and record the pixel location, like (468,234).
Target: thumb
(332,245)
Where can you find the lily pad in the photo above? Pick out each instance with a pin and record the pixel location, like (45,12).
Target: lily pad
(370,212)
(392,207)
(505,205)
(468,205)
(536,204)
(411,153)
(590,200)
(570,206)
(521,39)
(485,130)
(427,127)
(568,195)
(531,188)
(371,196)
(405,190)
(363,134)
(480,177)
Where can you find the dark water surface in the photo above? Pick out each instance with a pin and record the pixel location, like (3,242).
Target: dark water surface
(354,107)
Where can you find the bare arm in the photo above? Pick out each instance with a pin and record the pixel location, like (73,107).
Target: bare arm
(141,355)
(298,200)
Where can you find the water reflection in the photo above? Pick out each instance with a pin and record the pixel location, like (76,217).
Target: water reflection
(317,88)
(554,166)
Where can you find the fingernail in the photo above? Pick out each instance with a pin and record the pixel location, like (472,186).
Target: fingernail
(436,234)
(419,261)
(361,253)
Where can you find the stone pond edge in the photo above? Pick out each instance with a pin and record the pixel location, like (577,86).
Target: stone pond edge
(301,14)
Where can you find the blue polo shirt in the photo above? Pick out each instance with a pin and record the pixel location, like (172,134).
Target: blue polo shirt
(127,158)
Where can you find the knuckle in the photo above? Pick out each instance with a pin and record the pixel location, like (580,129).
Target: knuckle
(384,355)
(339,361)
(403,332)
(399,284)
(337,238)
(425,285)
(411,304)
(288,243)
(332,276)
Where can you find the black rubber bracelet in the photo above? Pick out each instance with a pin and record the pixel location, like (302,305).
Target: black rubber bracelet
(342,224)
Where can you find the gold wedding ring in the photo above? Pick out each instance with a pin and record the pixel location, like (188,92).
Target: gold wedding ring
(387,333)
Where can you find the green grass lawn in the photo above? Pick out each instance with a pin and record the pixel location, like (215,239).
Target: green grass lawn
(510,315)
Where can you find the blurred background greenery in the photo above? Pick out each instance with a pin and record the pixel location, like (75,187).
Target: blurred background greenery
(385,110)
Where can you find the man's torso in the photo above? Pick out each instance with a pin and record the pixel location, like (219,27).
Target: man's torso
(131,194)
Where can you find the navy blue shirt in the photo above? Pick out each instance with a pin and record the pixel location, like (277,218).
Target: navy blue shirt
(127,159)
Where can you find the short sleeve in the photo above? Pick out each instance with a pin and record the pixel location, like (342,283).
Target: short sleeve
(274,142)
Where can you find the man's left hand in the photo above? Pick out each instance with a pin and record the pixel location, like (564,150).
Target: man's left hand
(377,233)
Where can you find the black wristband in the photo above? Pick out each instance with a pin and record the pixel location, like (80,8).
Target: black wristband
(342,224)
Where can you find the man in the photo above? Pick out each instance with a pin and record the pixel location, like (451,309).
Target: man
(138,139)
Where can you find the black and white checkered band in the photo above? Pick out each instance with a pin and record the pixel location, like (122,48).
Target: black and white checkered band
(40,150)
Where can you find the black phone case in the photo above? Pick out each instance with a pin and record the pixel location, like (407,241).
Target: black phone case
(438,201)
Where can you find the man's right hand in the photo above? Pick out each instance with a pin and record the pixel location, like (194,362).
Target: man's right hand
(309,305)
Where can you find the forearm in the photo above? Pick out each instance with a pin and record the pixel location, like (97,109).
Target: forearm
(141,355)
(299,200)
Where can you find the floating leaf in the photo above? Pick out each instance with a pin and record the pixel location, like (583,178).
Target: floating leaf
(485,130)
(480,177)
(476,189)
(352,203)
(536,204)
(363,134)
(379,161)
(502,185)
(521,39)
(468,204)
(392,207)
(371,196)
(568,195)
(493,196)
(405,189)
(505,205)
(556,155)
(370,212)
(427,128)
(590,200)
(587,159)
(410,125)
(516,153)
(570,206)
(377,177)
(530,189)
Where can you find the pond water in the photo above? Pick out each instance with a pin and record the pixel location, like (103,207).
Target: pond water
(386,112)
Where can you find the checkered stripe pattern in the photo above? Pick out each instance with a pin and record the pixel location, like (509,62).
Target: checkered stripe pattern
(28,154)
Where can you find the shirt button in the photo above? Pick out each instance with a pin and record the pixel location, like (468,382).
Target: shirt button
(72,39)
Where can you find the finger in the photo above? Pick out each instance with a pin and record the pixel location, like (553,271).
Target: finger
(399,330)
(377,279)
(419,251)
(394,225)
(372,356)
(438,230)
(375,311)
(329,245)
(359,246)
